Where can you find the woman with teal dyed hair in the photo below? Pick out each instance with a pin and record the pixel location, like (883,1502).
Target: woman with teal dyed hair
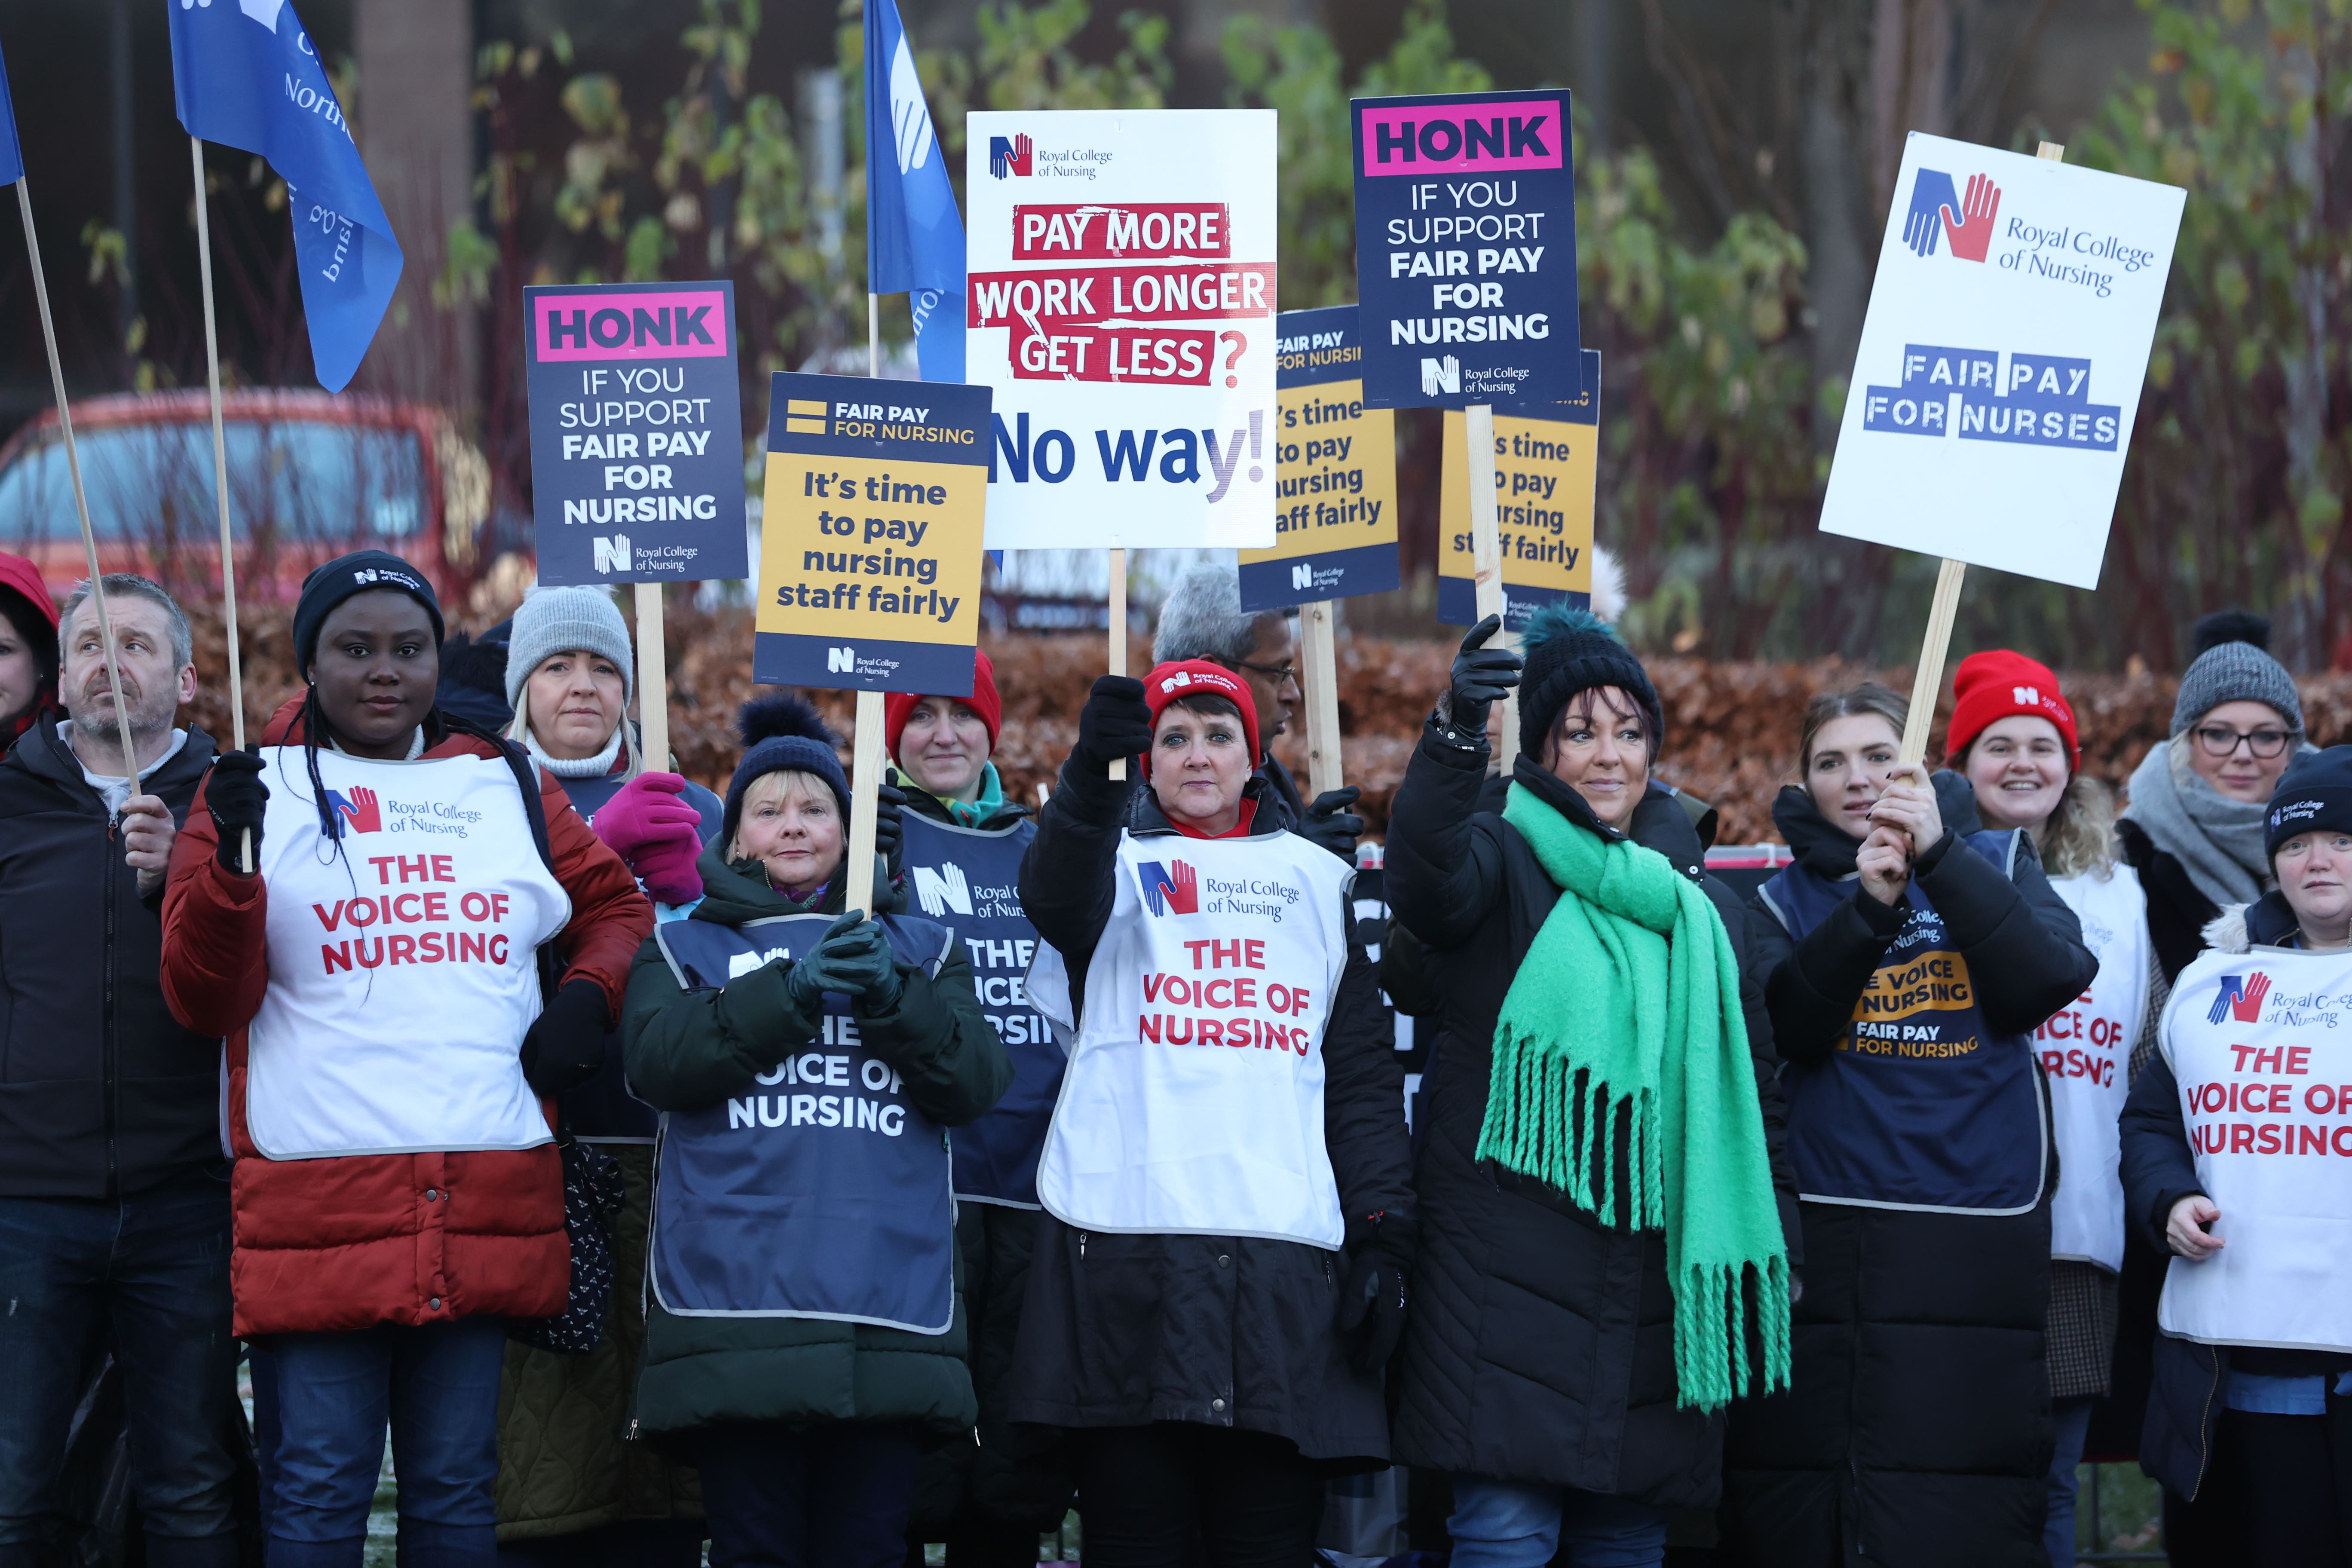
(1604,1197)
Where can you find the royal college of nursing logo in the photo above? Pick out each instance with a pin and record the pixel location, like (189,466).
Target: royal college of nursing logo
(2241,996)
(1009,155)
(1166,892)
(360,811)
(1939,212)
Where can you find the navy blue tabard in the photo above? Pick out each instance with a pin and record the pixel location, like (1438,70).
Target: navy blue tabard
(970,881)
(1921,1106)
(821,1192)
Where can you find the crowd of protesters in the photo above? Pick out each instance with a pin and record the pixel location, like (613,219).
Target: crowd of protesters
(483,1084)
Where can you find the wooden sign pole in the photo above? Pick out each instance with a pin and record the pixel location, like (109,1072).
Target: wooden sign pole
(865,754)
(1486,547)
(653,680)
(220,479)
(1927,685)
(1319,678)
(1119,634)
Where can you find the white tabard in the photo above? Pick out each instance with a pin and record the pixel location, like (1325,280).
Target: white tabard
(2262,1045)
(2085,1049)
(1193,1100)
(402,960)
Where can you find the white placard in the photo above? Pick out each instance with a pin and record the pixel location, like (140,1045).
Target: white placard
(1121,309)
(1992,398)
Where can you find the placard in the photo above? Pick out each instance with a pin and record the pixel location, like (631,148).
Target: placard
(636,432)
(1121,307)
(2001,359)
(869,537)
(1547,473)
(1466,249)
(1335,471)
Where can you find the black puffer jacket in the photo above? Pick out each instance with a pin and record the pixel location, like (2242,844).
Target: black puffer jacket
(102,1092)
(1540,1347)
(2177,912)
(1229,1331)
(1917,1431)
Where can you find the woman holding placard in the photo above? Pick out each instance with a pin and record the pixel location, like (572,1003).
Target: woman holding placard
(2235,1150)
(1221,1277)
(393,1047)
(2012,737)
(804,1327)
(1914,955)
(1603,1265)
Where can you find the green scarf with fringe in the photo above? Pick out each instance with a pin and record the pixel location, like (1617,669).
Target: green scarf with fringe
(1628,1002)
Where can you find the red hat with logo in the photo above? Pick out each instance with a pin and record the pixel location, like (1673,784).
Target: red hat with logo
(984,700)
(1998,684)
(1200,678)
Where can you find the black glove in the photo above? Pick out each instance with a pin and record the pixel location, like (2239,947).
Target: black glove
(890,830)
(1114,723)
(1329,823)
(1482,677)
(871,974)
(1372,1294)
(832,964)
(238,798)
(565,1045)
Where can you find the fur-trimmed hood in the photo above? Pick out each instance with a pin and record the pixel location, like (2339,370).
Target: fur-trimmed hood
(2241,927)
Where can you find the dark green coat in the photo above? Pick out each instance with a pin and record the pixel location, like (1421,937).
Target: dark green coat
(686,1050)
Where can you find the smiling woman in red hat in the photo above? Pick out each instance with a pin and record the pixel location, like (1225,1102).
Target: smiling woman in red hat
(2012,735)
(1219,1279)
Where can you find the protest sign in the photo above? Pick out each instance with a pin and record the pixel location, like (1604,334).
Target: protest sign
(869,537)
(1466,249)
(1335,472)
(636,456)
(1120,305)
(1546,470)
(2001,362)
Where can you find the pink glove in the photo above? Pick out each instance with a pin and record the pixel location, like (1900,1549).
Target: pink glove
(660,836)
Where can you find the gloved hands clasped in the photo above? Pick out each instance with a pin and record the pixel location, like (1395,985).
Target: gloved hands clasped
(650,825)
(1482,677)
(853,957)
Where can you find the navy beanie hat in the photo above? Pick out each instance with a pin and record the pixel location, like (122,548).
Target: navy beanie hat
(780,733)
(2315,794)
(361,572)
(1570,651)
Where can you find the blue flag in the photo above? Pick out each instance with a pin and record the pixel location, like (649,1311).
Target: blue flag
(248,76)
(914,236)
(12,156)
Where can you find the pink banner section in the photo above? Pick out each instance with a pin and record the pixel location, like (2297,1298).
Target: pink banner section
(1074,231)
(1218,290)
(1160,356)
(686,323)
(1426,139)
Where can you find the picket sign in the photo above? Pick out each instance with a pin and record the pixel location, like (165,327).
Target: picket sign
(1486,546)
(1319,680)
(220,482)
(81,501)
(1928,683)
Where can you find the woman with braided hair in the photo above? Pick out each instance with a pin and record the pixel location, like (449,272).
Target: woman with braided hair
(360,906)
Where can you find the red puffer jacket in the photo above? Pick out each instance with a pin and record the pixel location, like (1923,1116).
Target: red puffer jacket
(324,1244)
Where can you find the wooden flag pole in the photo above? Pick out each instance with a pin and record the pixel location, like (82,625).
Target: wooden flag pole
(220,477)
(865,755)
(1319,678)
(1119,634)
(1486,549)
(653,680)
(1927,685)
(81,501)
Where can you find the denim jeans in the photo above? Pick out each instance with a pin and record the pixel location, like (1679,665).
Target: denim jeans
(2074,1422)
(438,1388)
(1521,1524)
(148,1276)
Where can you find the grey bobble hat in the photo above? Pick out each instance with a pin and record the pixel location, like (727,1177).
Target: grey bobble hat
(557,620)
(2235,672)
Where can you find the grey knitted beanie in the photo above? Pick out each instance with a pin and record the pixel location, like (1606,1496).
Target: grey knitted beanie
(2235,672)
(555,620)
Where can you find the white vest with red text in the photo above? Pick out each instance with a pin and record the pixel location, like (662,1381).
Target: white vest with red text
(2085,1048)
(403,959)
(1193,1100)
(2260,1044)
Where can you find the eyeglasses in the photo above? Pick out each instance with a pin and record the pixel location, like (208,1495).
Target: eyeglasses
(1277,673)
(2219,740)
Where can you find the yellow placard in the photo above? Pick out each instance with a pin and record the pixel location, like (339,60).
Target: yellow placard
(1335,472)
(1546,475)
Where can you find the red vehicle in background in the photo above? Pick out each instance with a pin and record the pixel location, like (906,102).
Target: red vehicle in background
(310,476)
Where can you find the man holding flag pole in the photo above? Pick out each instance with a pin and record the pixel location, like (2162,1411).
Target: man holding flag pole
(245,74)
